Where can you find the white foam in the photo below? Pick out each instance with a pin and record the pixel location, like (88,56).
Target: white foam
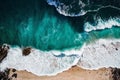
(51,2)
(102,24)
(64,9)
(102,53)
(39,62)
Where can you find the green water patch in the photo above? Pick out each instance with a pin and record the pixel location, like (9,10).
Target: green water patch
(109,33)
(47,33)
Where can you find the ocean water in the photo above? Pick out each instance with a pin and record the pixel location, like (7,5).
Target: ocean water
(57,30)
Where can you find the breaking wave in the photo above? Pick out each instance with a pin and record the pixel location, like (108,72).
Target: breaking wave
(101,53)
(41,62)
(102,24)
(81,7)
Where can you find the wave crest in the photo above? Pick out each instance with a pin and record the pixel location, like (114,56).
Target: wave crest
(80,7)
(102,24)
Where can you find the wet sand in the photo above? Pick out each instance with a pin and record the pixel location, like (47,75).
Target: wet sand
(75,73)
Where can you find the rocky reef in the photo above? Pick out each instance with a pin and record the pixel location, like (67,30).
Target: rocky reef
(3,51)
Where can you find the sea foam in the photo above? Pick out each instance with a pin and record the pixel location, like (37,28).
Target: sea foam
(41,62)
(98,54)
(101,53)
(102,24)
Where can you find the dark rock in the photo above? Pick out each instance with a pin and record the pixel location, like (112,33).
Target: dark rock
(4,75)
(26,51)
(13,70)
(9,79)
(14,75)
(3,51)
(116,74)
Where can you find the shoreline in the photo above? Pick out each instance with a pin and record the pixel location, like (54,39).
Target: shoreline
(74,73)
(92,52)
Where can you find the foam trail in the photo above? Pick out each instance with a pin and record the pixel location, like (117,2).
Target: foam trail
(102,53)
(65,9)
(102,24)
(74,8)
(39,62)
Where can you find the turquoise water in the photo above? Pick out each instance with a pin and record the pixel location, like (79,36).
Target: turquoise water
(49,33)
(113,32)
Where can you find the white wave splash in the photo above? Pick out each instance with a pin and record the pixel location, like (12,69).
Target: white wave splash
(102,24)
(39,62)
(83,7)
(102,53)
(99,54)
(65,9)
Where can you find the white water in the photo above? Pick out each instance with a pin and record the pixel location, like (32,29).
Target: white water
(39,62)
(101,53)
(102,24)
(64,10)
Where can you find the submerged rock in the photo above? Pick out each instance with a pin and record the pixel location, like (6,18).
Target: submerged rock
(26,51)
(3,51)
